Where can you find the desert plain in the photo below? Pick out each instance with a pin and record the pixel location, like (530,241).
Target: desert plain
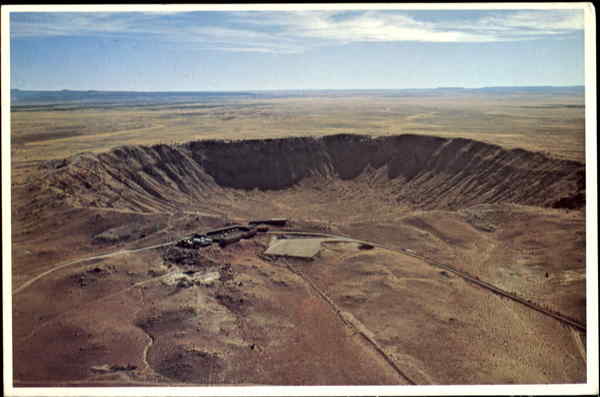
(432,238)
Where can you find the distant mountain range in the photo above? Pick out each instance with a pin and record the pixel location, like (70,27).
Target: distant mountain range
(135,98)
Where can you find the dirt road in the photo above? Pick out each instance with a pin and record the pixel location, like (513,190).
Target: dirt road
(91,258)
(558,316)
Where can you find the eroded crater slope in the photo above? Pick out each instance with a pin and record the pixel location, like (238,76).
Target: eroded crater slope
(423,172)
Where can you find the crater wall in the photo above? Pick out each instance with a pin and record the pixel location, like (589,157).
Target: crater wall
(428,172)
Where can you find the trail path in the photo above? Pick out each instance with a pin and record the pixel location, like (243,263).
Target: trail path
(356,326)
(578,342)
(472,279)
(91,258)
(532,305)
(575,326)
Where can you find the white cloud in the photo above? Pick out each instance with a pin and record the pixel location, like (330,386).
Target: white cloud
(538,20)
(385,26)
(67,24)
(375,26)
(293,32)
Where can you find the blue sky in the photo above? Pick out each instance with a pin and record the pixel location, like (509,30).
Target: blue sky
(331,49)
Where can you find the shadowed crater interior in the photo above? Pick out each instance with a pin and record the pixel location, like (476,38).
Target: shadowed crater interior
(425,172)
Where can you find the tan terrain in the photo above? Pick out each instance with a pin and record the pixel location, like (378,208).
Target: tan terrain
(407,258)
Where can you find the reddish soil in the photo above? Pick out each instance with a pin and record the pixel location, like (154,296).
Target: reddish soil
(512,218)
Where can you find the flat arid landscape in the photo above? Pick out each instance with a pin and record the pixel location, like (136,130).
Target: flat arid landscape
(300,238)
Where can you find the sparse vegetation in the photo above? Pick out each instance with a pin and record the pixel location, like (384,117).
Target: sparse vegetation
(96,232)
(549,124)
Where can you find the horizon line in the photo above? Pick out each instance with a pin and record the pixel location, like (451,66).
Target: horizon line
(302,89)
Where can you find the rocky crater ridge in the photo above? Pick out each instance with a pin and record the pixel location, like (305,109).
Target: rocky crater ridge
(427,172)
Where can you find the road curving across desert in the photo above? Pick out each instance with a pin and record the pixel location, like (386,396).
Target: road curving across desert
(58,267)
(324,237)
(472,279)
